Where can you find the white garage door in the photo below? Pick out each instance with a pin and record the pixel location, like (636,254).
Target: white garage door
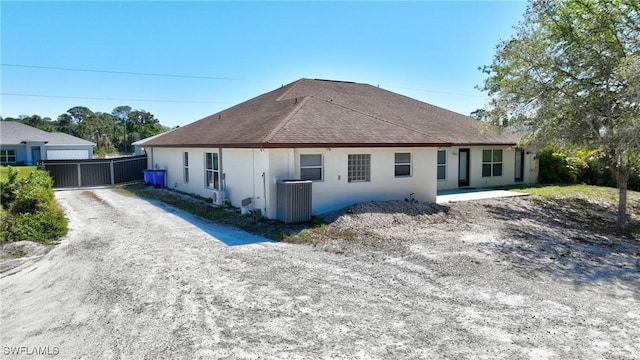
(67,154)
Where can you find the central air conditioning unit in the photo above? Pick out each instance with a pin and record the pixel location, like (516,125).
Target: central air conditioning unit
(294,201)
(218,197)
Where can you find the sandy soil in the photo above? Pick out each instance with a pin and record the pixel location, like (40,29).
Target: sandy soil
(140,280)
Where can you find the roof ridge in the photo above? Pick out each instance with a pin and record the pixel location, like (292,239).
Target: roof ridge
(293,86)
(383,120)
(286,119)
(420,101)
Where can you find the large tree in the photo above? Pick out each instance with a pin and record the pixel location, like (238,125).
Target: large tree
(571,76)
(121,115)
(143,124)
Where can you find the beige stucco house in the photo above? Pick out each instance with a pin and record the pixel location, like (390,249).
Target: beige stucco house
(355,142)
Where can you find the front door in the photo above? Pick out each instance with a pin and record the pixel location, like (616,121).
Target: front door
(463,167)
(519,175)
(35,155)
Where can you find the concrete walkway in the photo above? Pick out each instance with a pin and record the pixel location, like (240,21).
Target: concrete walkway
(456,195)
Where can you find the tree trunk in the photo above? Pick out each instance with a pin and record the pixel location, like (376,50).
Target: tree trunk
(623,179)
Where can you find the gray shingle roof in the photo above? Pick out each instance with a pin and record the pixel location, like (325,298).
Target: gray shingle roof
(15,133)
(320,113)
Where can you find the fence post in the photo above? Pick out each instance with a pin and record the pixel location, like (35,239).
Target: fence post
(113,176)
(79,176)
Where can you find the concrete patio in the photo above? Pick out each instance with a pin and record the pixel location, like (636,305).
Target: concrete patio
(466,194)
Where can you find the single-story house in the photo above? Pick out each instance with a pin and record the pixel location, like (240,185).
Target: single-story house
(355,142)
(24,144)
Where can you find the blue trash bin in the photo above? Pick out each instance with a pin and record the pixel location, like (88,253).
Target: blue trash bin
(148,177)
(158,178)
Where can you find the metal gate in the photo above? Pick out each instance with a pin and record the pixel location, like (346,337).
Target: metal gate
(95,172)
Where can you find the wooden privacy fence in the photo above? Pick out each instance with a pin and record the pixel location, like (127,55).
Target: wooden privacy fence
(95,172)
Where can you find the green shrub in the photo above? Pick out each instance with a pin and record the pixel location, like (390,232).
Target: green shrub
(31,211)
(577,167)
(557,167)
(44,226)
(8,188)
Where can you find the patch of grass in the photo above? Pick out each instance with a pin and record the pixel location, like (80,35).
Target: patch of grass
(320,233)
(591,192)
(23,171)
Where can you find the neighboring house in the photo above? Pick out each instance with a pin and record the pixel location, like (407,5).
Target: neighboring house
(356,142)
(23,144)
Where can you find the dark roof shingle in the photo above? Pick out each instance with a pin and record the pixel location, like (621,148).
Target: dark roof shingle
(315,113)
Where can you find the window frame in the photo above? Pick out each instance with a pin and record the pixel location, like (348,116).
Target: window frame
(443,165)
(212,173)
(493,164)
(362,172)
(5,156)
(185,166)
(396,164)
(321,167)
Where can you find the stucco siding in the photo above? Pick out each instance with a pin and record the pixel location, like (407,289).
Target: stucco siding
(254,173)
(240,172)
(450,169)
(21,152)
(243,170)
(530,168)
(281,167)
(334,191)
(172,160)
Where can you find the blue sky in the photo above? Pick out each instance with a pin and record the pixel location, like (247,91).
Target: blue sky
(229,52)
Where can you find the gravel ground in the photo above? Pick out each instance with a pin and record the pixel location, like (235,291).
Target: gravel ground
(499,279)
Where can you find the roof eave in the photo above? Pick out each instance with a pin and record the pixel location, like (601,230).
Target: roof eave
(486,144)
(300,145)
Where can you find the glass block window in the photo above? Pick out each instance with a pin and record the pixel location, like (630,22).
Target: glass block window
(359,168)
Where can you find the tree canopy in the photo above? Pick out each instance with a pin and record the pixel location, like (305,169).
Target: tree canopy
(571,76)
(112,132)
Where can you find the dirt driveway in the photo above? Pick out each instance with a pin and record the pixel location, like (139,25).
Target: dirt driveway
(139,280)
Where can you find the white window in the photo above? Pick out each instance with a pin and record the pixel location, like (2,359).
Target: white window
(402,164)
(442,164)
(212,171)
(7,156)
(185,162)
(491,163)
(359,168)
(311,167)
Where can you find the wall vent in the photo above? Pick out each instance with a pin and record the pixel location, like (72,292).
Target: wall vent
(294,201)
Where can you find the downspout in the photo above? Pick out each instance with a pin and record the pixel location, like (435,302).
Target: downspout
(223,181)
(253,174)
(264,192)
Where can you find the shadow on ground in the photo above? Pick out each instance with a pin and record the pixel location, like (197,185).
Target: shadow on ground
(573,239)
(228,235)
